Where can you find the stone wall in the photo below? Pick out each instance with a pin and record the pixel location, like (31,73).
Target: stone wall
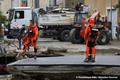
(100,5)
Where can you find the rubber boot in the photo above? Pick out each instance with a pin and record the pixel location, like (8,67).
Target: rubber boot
(89,57)
(24,56)
(90,54)
(93,60)
(86,60)
(35,56)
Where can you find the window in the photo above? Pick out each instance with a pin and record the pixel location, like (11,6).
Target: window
(19,14)
(11,13)
(54,2)
(80,17)
(59,2)
(24,2)
(36,3)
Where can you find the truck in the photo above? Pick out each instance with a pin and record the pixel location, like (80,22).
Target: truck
(17,18)
(77,33)
(57,23)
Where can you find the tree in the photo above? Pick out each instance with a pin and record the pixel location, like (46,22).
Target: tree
(2,18)
(118,5)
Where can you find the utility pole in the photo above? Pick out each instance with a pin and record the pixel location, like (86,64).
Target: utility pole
(11,3)
(111,17)
(0,7)
(49,3)
(32,11)
(32,3)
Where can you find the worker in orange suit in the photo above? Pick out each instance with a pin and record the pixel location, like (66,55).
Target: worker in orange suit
(91,35)
(31,38)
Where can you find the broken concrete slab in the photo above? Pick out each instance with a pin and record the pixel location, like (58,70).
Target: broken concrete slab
(71,60)
(31,55)
(67,64)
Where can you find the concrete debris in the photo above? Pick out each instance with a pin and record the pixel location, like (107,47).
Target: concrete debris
(17,51)
(20,56)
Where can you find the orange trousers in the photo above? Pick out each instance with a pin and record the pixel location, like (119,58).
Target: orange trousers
(88,50)
(30,40)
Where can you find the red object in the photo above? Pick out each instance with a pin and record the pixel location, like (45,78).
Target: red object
(24,39)
(89,38)
(86,22)
(82,33)
(23,5)
(14,28)
(88,50)
(77,24)
(35,24)
(92,22)
(106,19)
(3,67)
(32,38)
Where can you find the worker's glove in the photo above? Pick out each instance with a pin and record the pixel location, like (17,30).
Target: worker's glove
(34,41)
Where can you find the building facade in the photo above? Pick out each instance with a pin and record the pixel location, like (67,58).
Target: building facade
(100,5)
(5,5)
(72,3)
(37,3)
(103,6)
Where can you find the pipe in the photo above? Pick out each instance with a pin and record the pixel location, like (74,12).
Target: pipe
(49,3)
(111,17)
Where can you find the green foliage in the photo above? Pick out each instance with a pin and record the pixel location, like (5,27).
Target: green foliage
(2,18)
(117,5)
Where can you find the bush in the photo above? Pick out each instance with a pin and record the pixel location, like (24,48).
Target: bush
(2,18)
(118,5)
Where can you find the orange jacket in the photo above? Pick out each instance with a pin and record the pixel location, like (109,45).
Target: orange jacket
(34,32)
(87,36)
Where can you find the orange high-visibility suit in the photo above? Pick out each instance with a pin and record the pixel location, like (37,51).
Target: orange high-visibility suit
(90,39)
(32,38)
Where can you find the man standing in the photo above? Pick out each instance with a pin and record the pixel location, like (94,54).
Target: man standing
(31,38)
(91,34)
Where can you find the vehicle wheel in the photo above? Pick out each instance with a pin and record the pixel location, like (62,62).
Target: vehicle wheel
(75,36)
(104,38)
(64,36)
